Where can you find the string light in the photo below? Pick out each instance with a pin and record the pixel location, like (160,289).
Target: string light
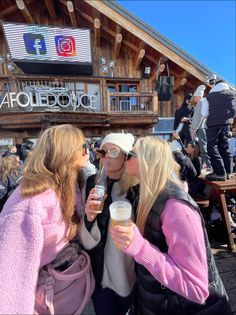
(8,60)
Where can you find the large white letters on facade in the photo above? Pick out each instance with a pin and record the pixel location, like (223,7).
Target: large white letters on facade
(48,99)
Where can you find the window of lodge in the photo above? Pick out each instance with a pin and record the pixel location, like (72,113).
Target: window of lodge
(123,102)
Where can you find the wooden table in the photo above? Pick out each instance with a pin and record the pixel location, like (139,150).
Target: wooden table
(218,190)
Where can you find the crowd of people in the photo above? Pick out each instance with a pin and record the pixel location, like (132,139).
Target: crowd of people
(210,121)
(160,262)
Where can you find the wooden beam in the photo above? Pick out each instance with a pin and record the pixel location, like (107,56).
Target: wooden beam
(155,102)
(51,9)
(97,28)
(25,12)
(154,74)
(160,67)
(147,38)
(70,8)
(180,81)
(112,33)
(139,57)
(117,46)
(11,9)
(118,29)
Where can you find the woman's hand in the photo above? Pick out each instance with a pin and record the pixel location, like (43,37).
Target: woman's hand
(185,119)
(122,236)
(93,205)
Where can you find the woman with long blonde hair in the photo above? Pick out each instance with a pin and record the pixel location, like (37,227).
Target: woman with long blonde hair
(38,219)
(176,272)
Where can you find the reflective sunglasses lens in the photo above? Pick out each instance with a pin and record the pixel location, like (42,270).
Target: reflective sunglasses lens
(113,153)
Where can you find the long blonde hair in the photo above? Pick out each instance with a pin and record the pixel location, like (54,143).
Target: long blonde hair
(9,167)
(156,167)
(50,165)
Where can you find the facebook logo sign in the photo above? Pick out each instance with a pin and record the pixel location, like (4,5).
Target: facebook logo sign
(35,44)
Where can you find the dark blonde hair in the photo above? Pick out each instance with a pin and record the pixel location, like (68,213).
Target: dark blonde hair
(50,165)
(9,167)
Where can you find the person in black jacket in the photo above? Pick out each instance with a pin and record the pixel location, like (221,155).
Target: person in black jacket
(182,120)
(176,271)
(113,270)
(188,172)
(193,151)
(220,108)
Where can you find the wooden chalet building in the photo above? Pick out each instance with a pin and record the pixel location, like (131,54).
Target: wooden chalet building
(117,91)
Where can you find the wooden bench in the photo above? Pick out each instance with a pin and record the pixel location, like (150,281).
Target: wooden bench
(217,192)
(202,202)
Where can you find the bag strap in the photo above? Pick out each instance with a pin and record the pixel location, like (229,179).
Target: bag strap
(49,287)
(87,293)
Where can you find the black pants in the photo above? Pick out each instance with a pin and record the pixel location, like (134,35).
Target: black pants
(218,149)
(108,302)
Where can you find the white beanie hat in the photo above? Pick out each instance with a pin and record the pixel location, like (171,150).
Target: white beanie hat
(200,90)
(175,146)
(124,141)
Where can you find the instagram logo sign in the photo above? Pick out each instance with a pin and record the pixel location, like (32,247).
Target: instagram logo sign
(65,46)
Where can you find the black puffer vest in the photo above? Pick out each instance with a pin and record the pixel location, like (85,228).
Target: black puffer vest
(221,111)
(154,298)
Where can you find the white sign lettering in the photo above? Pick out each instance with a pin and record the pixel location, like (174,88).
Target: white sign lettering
(48,99)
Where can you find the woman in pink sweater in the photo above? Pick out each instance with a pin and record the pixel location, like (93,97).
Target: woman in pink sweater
(38,219)
(176,272)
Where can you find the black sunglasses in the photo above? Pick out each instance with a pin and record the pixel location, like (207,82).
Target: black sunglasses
(130,154)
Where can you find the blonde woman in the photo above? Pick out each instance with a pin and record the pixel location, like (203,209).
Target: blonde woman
(38,219)
(176,272)
(113,270)
(10,173)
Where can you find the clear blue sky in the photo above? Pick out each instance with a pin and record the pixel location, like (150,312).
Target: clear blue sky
(204,29)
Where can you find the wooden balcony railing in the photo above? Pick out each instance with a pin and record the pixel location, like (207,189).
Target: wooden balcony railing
(132,102)
(22,94)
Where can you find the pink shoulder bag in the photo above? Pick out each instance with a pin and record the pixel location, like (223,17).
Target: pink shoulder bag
(66,285)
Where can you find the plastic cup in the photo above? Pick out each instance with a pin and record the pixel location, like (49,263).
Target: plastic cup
(120,212)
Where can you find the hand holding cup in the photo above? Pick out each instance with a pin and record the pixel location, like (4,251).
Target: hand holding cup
(93,204)
(122,228)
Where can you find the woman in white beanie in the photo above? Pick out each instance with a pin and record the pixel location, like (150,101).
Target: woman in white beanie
(113,270)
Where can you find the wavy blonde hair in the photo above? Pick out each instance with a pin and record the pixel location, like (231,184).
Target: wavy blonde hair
(156,167)
(9,167)
(50,165)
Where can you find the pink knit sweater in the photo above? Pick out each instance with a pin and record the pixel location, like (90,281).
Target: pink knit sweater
(31,234)
(184,268)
